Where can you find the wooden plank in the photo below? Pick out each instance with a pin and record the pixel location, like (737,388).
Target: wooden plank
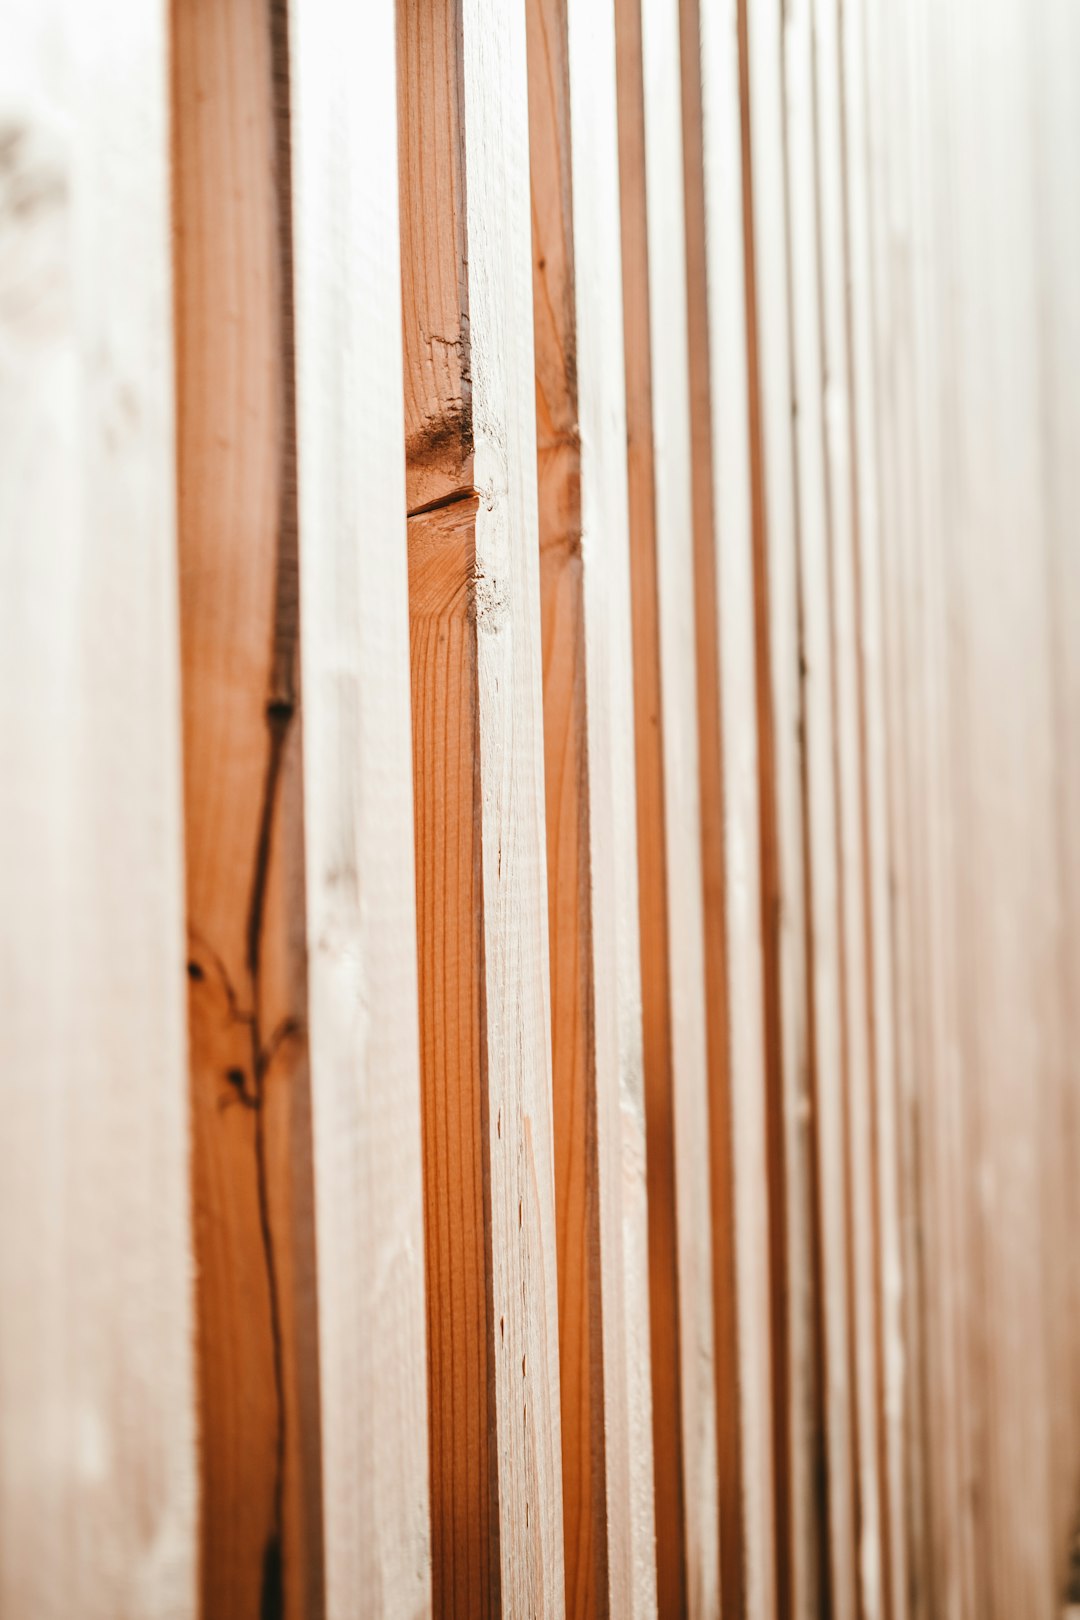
(849,798)
(481,871)
(807,1516)
(361,919)
(668,809)
(1055,69)
(829,1054)
(894,486)
(97,1407)
(759,951)
(238,565)
(867,568)
(599,1120)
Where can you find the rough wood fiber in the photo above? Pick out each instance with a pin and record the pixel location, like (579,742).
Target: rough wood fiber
(669,838)
(482,915)
(261,1486)
(589,775)
(97,1410)
(358,814)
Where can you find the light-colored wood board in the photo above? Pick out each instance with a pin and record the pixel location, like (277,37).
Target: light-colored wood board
(668,808)
(829,1055)
(358,814)
(499,1083)
(808,1576)
(97,1396)
(589,774)
(848,769)
(894,494)
(1054,67)
(867,532)
(761,951)
(258,1397)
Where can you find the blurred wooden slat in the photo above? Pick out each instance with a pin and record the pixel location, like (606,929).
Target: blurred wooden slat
(365,1071)
(589,773)
(812,1491)
(849,777)
(261,1482)
(760,947)
(867,534)
(484,998)
(669,838)
(97,1399)
(830,1051)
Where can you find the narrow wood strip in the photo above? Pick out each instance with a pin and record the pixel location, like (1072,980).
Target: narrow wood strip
(668,807)
(848,772)
(589,773)
(867,566)
(361,918)
(482,888)
(756,950)
(261,1489)
(830,1054)
(97,1399)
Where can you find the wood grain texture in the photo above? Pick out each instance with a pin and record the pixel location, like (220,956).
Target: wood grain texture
(358,814)
(830,1030)
(867,568)
(744,937)
(261,1492)
(668,808)
(486,1040)
(805,1485)
(589,774)
(97,1398)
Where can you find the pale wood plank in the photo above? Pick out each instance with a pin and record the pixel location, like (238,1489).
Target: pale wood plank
(830,1066)
(806,1513)
(894,491)
(600,1189)
(867,568)
(97,1399)
(261,1486)
(760,948)
(485,1013)
(849,779)
(361,918)
(668,804)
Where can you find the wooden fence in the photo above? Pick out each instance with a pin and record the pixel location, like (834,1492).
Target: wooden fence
(540,538)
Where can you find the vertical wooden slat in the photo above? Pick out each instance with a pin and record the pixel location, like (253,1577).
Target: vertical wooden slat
(830,1051)
(760,951)
(589,775)
(239,625)
(848,769)
(813,1492)
(862,383)
(97,1409)
(669,839)
(358,819)
(481,872)
(894,492)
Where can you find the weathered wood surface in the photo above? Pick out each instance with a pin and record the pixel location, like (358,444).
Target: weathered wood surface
(481,891)
(258,1396)
(589,774)
(358,814)
(97,1398)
